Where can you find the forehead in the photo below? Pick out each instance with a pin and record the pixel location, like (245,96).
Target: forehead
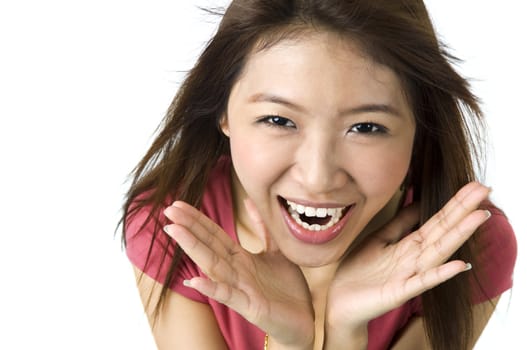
(322,65)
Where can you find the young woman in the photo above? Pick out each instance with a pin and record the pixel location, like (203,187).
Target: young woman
(313,187)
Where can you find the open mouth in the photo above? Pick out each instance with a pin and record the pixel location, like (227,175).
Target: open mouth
(319,221)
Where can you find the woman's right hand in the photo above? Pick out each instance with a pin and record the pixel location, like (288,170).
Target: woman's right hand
(266,288)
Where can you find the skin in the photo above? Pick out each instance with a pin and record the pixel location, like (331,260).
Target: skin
(327,150)
(319,157)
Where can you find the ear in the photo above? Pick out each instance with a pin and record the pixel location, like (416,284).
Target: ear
(224,124)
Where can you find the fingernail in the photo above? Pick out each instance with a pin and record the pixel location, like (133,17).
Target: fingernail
(166,228)
(187,283)
(468,266)
(488,213)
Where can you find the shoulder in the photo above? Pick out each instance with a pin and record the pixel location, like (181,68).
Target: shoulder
(146,221)
(151,250)
(496,250)
(144,229)
(217,202)
(496,239)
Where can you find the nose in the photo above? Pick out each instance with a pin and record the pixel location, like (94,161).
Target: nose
(319,166)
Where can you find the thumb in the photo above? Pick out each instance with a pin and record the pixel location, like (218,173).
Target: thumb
(259,226)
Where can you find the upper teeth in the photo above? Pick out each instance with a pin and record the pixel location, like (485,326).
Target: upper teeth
(297,209)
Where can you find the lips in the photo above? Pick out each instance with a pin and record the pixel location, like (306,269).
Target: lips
(314,225)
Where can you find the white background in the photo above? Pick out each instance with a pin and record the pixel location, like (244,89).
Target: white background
(83,84)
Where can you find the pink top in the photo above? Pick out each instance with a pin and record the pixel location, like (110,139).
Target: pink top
(498,253)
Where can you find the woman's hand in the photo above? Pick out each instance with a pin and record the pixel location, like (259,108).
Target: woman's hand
(266,289)
(386,271)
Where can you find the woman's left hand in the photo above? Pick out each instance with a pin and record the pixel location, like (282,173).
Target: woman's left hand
(386,271)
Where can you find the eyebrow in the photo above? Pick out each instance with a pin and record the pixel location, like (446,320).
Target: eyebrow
(364,108)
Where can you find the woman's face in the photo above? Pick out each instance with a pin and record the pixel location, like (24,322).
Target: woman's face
(321,139)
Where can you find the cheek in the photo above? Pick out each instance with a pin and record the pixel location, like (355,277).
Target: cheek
(256,162)
(382,171)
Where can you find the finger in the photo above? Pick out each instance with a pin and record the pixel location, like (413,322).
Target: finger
(216,265)
(442,249)
(259,227)
(194,233)
(201,226)
(465,201)
(403,222)
(221,292)
(424,281)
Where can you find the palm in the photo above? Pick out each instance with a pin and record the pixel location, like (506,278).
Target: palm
(385,272)
(276,293)
(374,280)
(250,284)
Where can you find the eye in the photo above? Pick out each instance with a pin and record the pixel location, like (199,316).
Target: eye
(277,121)
(368,128)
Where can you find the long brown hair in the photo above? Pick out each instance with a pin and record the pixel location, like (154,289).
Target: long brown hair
(395,33)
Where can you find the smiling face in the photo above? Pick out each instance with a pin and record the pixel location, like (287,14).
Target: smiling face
(321,140)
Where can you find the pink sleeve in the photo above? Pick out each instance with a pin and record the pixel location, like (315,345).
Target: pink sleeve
(496,257)
(151,250)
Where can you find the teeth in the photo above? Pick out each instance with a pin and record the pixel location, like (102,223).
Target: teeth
(310,212)
(297,209)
